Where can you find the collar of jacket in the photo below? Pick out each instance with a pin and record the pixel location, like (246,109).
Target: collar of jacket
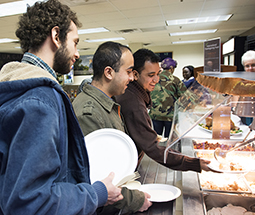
(135,87)
(99,96)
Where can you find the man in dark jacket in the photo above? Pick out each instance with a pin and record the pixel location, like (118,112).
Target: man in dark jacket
(44,165)
(134,106)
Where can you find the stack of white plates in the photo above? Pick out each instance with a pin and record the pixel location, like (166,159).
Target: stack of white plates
(110,150)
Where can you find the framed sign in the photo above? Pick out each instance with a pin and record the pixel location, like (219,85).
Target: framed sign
(212,56)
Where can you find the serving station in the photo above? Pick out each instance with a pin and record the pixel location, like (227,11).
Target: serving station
(200,200)
(212,193)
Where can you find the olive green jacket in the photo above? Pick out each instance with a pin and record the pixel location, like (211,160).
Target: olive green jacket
(95,110)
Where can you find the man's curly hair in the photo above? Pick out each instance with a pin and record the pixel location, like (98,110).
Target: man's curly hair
(35,25)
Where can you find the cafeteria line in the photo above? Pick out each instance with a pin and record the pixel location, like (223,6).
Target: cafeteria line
(207,125)
(232,189)
(208,192)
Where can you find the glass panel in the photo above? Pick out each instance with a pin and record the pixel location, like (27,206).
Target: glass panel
(194,106)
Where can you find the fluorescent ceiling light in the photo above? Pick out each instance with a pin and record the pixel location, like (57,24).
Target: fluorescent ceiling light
(92,30)
(198,20)
(7,40)
(188,41)
(14,8)
(105,39)
(193,32)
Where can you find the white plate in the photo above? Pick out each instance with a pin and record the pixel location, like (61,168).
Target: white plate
(215,167)
(232,134)
(110,150)
(161,192)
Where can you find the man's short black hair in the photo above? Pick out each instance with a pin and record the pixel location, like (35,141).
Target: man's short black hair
(107,54)
(143,55)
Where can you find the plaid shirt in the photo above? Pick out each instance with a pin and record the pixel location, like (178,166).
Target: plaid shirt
(33,59)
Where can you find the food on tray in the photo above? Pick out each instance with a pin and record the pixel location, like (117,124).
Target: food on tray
(222,182)
(249,179)
(232,166)
(252,185)
(209,122)
(228,210)
(210,146)
(213,146)
(235,161)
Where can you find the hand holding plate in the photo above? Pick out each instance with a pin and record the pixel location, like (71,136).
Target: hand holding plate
(114,193)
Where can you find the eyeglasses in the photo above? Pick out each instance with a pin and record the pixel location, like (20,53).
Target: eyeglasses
(249,65)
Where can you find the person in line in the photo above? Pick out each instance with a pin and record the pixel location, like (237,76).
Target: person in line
(248,61)
(166,92)
(188,75)
(134,103)
(95,107)
(43,159)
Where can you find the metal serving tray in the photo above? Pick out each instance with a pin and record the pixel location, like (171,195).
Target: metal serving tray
(249,179)
(220,200)
(212,177)
(202,142)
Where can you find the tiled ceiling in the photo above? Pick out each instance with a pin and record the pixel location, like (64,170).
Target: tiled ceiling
(144,21)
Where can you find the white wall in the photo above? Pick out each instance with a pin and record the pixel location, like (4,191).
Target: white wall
(186,54)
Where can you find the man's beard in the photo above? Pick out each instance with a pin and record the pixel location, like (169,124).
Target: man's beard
(61,63)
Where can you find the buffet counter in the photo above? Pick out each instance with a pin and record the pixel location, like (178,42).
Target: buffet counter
(198,201)
(194,198)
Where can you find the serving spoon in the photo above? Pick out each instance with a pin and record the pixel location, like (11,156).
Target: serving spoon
(220,154)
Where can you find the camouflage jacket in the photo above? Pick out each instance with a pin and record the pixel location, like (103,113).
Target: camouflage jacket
(166,92)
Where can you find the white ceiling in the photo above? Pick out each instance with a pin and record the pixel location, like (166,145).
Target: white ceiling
(148,19)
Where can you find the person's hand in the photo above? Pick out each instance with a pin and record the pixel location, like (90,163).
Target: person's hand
(114,193)
(146,203)
(204,166)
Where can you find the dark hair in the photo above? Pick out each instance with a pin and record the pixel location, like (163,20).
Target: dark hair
(143,55)
(191,69)
(107,54)
(35,25)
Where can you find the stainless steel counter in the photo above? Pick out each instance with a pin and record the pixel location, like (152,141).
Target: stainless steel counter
(152,172)
(192,196)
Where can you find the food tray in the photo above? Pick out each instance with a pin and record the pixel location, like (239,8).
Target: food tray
(212,144)
(220,200)
(249,179)
(221,182)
